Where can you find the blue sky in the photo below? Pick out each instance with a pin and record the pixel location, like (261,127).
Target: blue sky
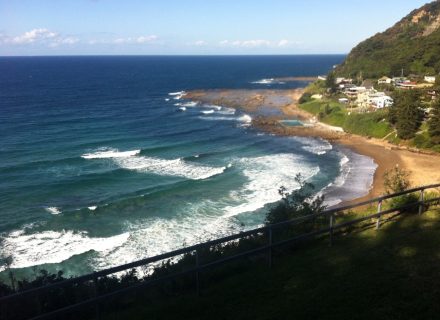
(58,27)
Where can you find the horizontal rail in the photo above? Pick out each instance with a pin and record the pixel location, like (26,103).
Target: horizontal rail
(208,244)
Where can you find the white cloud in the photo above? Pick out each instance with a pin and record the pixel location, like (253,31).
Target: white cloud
(39,36)
(200,43)
(144,39)
(257,43)
(283,43)
(35,35)
(139,40)
(245,43)
(61,41)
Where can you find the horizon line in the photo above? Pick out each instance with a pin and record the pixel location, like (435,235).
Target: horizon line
(171,55)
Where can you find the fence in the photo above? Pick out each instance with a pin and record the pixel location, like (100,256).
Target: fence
(195,249)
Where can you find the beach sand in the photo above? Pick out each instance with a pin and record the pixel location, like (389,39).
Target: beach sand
(267,107)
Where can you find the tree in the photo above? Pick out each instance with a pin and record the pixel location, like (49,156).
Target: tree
(406,114)
(330,82)
(396,180)
(298,203)
(434,122)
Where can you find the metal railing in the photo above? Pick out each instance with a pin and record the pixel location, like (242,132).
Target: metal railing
(195,249)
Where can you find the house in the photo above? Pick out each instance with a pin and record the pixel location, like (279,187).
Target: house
(380,102)
(406,85)
(432,94)
(429,79)
(354,91)
(323,78)
(373,98)
(343,80)
(384,80)
(343,100)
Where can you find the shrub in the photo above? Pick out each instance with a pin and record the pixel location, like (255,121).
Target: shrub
(295,204)
(397,180)
(306,97)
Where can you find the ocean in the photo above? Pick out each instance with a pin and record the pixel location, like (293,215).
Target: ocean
(103,162)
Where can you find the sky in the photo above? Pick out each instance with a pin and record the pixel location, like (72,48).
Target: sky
(187,27)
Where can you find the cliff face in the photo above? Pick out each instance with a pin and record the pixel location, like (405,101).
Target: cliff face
(412,44)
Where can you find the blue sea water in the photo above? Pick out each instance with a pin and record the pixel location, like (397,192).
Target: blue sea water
(102,163)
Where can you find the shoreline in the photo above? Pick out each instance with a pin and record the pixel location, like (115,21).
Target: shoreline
(424,168)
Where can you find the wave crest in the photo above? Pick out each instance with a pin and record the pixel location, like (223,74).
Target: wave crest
(55,247)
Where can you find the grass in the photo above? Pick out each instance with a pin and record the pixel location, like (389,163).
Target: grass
(392,273)
(333,113)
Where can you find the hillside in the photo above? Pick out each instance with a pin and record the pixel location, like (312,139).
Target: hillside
(391,274)
(412,44)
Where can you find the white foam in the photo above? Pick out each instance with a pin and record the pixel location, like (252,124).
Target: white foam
(53,210)
(167,99)
(154,235)
(218,118)
(354,180)
(245,118)
(227,111)
(182,108)
(174,167)
(265,176)
(264,81)
(316,146)
(212,106)
(178,93)
(207,111)
(29,250)
(186,104)
(190,104)
(268,81)
(110,153)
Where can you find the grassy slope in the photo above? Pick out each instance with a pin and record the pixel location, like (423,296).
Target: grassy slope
(387,274)
(366,124)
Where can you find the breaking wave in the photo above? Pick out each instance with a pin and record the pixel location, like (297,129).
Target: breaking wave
(131,160)
(29,250)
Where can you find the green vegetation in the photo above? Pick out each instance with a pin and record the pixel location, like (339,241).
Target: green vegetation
(411,45)
(297,203)
(397,180)
(434,123)
(372,124)
(408,117)
(387,274)
(406,113)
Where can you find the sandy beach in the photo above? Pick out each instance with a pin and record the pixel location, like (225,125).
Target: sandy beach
(267,107)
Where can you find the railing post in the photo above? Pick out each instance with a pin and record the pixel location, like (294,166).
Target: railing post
(95,294)
(270,246)
(379,210)
(422,200)
(332,217)
(197,273)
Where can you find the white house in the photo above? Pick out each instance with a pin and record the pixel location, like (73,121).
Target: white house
(381,102)
(354,91)
(430,79)
(384,80)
